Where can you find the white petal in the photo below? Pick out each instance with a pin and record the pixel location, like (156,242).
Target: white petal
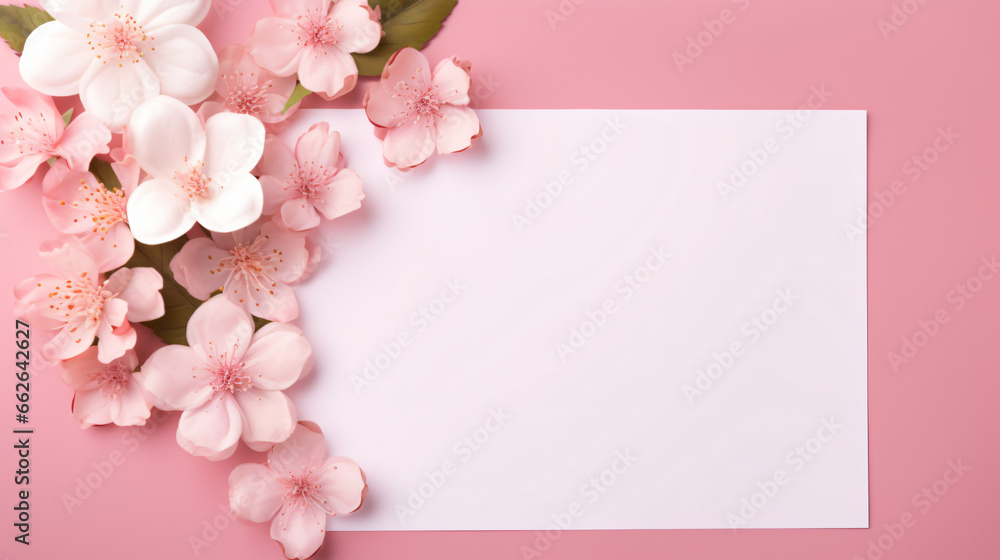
(159,211)
(234,145)
(234,205)
(184,62)
(111,92)
(55,59)
(79,14)
(153,15)
(162,133)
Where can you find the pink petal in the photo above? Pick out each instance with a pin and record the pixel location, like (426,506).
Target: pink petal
(299,528)
(84,138)
(112,249)
(278,357)
(32,303)
(408,66)
(69,258)
(256,492)
(185,63)
(166,136)
(343,195)
(452,81)
(319,145)
(274,45)
(306,446)
(268,416)
(78,372)
(177,378)
(211,430)
(159,211)
(361,31)
(291,247)
(61,191)
(37,106)
(457,129)
(71,341)
(127,170)
(275,302)
(331,73)
(219,326)
(91,408)
(293,8)
(299,214)
(383,108)
(197,267)
(113,342)
(342,485)
(130,408)
(142,294)
(408,145)
(14,175)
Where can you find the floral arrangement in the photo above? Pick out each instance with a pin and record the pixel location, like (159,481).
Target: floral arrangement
(180,209)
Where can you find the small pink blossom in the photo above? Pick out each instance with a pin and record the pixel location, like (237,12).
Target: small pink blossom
(37,132)
(253,267)
(78,204)
(229,381)
(416,111)
(79,303)
(106,393)
(299,186)
(297,487)
(314,39)
(246,88)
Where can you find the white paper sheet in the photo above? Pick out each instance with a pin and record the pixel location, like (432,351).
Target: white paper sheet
(600,320)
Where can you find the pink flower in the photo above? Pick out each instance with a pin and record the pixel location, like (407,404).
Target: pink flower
(78,204)
(229,381)
(106,393)
(252,267)
(36,132)
(416,111)
(314,39)
(298,487)
(244,87)
(310,181)
(78,302)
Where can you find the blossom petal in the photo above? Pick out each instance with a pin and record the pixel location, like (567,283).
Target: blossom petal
(55,59)
(165,136)
(274,45)
(219,326)
(256,492)
(14,175)
(330,73)
(319,145)
(114,340)
(184,62)
(343,195)
(234,146)
(268,416)
(197,267)
(360,32)
(299,214)
(177,378)
(292,248)
(155,15)
(112,92)
(278,357)
(159,211)
(293,8)
(211,430)
(408,145)
(91,408)
(79,372)
(342,485)
(451,81)
(236,205)
(69,258)
(142,294)
(299,528)
(130,407)
(457,129)
(306,446)
(84,138)
(71,341)
(112,249)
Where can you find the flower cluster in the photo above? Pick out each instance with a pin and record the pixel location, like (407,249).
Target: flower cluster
(192,167)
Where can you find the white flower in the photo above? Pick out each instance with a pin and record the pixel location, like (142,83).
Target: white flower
(118,53)
(198,172)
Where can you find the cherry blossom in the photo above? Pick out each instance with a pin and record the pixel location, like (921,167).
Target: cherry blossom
(106,393)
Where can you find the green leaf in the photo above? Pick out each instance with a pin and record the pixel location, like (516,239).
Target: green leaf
(17,23)
(298,94)
(67,116)
(178,303)
(406,23)
(105,174)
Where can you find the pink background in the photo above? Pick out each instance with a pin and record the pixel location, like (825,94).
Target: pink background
(940,69)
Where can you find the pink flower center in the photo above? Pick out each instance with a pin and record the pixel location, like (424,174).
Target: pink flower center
(229,374)
(310,180)
(244,94)
(421,105)
(303,488)
(113,379)
(317,30)
(251,266)
(103,207)
(31,135)
(193,180)
(78,299)
(122,38)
